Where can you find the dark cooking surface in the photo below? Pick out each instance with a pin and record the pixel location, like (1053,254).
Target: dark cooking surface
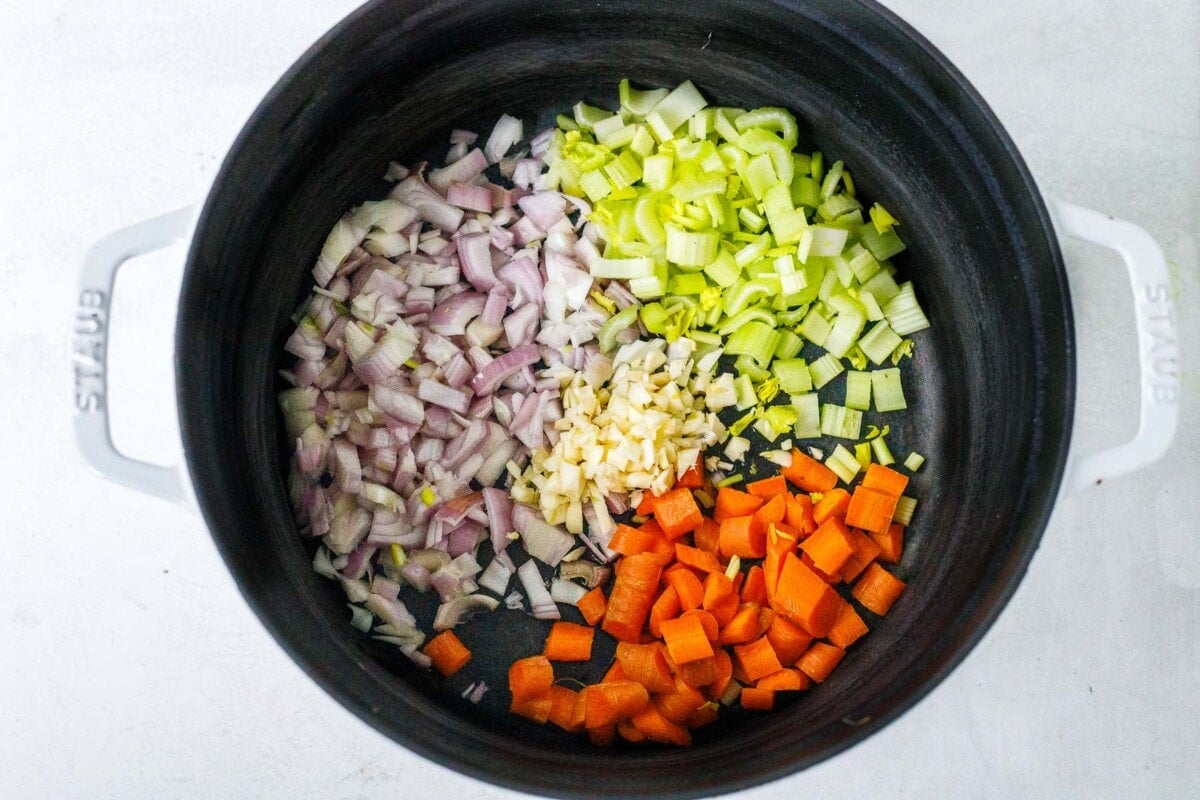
(990,391)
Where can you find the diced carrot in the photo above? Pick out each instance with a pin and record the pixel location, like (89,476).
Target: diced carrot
(767,487)
(832,504)
(737,582)
(563,705)
(602,737)
(677,512)
(646,664)
(700,559)
(592,605)
(704,715)
(805,597)
(819,660)
(608,703)
(891,544)
(829,548)
(678,704)
(848,628)
(629,541)
(694,477)
(657,728)
(865,551)
(685,638)
(885,479)
(799,513)
(536,708)
(708,535)
(725,608)
(698,673)
(788,639)
(825,576)
(744,537)
(772,512)
(632,595)
(615,672)
(809,474)
(629,732)
(447,653)
(716,587)
(688,588)
(754,588)
(645,508)
(871,510)
(707,621)
(569,642)
(529,678)
(778,546)
(665,607)
(722,674)
(734,503)
(785,680)
(742,628)
(663,549)
(766,615)
(754,699)
(877,589)
(757,659)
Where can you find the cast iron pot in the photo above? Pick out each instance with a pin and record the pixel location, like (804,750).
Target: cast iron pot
(991,389)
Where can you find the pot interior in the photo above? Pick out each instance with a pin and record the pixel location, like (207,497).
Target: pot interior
(990,387)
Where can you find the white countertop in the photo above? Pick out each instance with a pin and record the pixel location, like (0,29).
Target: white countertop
(132,668)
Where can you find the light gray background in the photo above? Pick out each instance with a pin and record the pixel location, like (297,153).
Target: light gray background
(130,666)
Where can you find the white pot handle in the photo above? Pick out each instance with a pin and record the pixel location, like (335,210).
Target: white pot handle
(1158,344)
(89,353)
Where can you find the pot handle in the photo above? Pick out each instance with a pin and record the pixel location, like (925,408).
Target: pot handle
(89,353)
(1158,348)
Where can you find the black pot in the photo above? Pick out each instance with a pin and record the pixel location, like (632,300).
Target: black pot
(991,390)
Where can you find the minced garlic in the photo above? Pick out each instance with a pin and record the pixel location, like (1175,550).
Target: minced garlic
(639,429)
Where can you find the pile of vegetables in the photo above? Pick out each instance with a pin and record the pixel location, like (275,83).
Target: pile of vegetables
(539,360)
(733,607)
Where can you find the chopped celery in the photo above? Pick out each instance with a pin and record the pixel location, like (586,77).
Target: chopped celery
(889,394)
(844,334)
(741,295)
(623,171)
(905,507)
(587,116)
(904,313)
(639,102)
(687,283)
(825,369)
(745,365)
(837,206)
(741,423)
(767,389)
(691,249)
(808,421)
(882,219)
(753,251)
(862,263)
(858,390)
(723,270)
(815,327)
(622,268)
(674,109)
(882,286)
(789,346)
(754,339)
(862,454)
(595,185)
(607,335)
(883,453)
(913,461)
(603,128)
(765,429)
(879,343)
(882,245)
(828,284)
(855,356)
(793,375)
(827,241)
(839,421)
(642,142)
(760,175)
(779,120)
(657,171)
(817,167)
(805,192)
(730,480)
(731,324)
(844,464)
(829,184)
(745,392)
(874,312)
